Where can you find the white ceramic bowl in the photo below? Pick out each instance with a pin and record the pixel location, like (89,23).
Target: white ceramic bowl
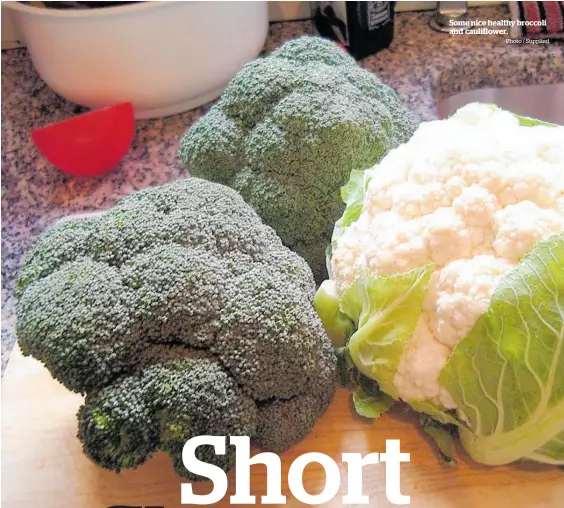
(164,57)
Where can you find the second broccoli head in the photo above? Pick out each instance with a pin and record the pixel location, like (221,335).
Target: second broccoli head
(178,313)
(287,133)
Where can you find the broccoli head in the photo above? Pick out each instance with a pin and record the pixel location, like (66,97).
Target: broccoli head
(177,313)
(287,132)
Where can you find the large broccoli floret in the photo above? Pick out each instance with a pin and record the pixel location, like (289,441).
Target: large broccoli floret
(178,313)
(288,131)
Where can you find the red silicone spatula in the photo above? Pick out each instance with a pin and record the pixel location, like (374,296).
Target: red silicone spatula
(89,144)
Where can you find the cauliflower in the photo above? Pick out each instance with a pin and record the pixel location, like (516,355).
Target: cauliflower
(472,195)
(457,210)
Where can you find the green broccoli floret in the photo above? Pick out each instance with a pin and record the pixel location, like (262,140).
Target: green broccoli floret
(273,433)
(177,313)
(287,132)
(176,395)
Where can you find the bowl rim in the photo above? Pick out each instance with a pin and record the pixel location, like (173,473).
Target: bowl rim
(88,13)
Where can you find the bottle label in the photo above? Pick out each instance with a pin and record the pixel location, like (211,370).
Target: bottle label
(377,14)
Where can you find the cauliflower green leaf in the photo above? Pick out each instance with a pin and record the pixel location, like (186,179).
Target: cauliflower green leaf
(442,435)
(352,195)
(532,122)
(385,311)
(337,325)
(370,406)
(506,376)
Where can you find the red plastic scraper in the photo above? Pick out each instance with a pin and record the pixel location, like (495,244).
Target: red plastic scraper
(89,144)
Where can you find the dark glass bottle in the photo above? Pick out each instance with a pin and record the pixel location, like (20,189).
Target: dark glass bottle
(363,28)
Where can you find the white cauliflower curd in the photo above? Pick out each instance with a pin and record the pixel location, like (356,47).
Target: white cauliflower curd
(471,195)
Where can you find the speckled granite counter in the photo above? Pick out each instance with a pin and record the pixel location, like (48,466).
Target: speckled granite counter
(422,65)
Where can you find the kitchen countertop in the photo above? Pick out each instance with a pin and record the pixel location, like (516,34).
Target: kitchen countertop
(423,66)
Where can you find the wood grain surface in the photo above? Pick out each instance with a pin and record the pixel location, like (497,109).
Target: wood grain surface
(43,465)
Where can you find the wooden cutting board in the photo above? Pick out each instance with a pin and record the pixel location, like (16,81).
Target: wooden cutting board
(43,465)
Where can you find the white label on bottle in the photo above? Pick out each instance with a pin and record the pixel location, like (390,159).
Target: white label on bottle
(377,14)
